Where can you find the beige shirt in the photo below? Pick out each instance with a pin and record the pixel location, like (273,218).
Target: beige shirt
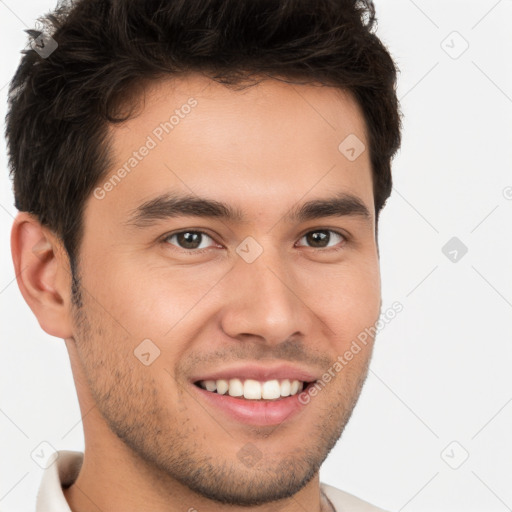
(65,469)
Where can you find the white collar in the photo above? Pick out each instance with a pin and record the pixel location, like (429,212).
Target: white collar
(61,473)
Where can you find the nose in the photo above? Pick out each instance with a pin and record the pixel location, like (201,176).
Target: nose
(266,300)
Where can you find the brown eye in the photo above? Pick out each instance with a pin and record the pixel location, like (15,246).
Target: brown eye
(189,240)
(321,238)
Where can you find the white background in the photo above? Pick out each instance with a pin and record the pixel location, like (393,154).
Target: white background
(441,369)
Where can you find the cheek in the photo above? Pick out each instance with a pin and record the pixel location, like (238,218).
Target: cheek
(123,363)
(348,299)
(141,302)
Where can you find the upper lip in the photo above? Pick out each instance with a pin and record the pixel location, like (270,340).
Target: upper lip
(258,372)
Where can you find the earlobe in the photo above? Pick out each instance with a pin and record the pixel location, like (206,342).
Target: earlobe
(42,274)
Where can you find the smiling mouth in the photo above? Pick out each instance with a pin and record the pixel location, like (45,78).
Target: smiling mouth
(250,389)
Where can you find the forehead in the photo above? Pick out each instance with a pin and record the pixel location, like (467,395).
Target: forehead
(270,144)
(245,113)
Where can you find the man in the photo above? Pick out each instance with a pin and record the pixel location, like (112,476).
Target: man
(199,185)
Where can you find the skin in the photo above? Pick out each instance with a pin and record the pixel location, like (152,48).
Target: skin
(263,150)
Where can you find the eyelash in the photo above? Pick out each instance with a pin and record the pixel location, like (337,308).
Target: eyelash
(193,252)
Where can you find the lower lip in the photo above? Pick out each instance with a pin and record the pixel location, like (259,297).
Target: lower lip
(254,412)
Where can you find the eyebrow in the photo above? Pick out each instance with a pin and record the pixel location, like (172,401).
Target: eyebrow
(167,206)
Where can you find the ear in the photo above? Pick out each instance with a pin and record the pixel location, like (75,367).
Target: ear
(43,274)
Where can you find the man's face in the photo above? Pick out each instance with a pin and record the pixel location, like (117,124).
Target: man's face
(268,297)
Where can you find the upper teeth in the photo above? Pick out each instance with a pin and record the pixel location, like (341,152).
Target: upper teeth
(253,389)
